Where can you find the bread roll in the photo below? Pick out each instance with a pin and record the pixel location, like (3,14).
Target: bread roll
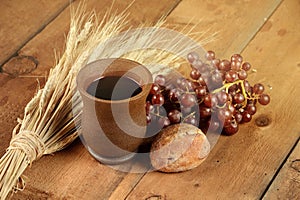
(179,147)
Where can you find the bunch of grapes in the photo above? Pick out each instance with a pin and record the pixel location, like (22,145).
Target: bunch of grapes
(216,96)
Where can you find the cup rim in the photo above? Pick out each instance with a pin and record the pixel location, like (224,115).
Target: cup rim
(83,91)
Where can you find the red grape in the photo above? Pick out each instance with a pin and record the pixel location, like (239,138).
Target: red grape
(231,108)
(251,109)
(205,111)
(224,115)
(210,55)
(242,74)
(231,128)
(188,100)
(200,91)
(264,99)
(158,99)
(202,81)
(258,88)
(160,80)
(224,65)
(154,89)
(247,86)
(216,97)
(239,98)
(223,97)
(216,77)
(174,116)
(210,100)
(246,66)
(235,65)
(195,74)
(237,57)
(246,116)
(191,57)
(216,63)
(174,94)
(231,76)
(238,117)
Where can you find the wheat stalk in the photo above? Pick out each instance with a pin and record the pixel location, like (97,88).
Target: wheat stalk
(49,122)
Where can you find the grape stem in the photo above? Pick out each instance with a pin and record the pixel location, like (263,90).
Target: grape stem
(226,86)
(189,115)
(157,111)
(156,114)
(223,106)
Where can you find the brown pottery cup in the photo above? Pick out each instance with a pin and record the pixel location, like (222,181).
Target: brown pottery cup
(112,130)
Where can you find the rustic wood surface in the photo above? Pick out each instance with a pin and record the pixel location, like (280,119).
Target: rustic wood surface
(258,162)
(287,183)
(20,22)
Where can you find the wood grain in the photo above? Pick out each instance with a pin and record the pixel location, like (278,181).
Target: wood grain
(20,21)
(241,166)
(287,183)
(73,173)
(234,22)
(40,48)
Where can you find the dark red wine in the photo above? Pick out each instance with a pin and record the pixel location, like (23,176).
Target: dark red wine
(114,88)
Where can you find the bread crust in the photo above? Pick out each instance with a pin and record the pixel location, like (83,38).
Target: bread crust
(179,147)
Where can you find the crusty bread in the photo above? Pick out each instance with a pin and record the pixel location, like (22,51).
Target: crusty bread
(179,147)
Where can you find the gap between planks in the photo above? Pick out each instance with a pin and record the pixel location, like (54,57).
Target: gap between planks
(280,168)
(259,29)
(172,8)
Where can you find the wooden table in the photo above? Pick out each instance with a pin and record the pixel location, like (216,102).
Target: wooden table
(258,162)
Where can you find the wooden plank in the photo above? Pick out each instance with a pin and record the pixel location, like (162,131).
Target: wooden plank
(73,173)
(241,166)
(140,12)
(20,21)
(235,23)
(287,183)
